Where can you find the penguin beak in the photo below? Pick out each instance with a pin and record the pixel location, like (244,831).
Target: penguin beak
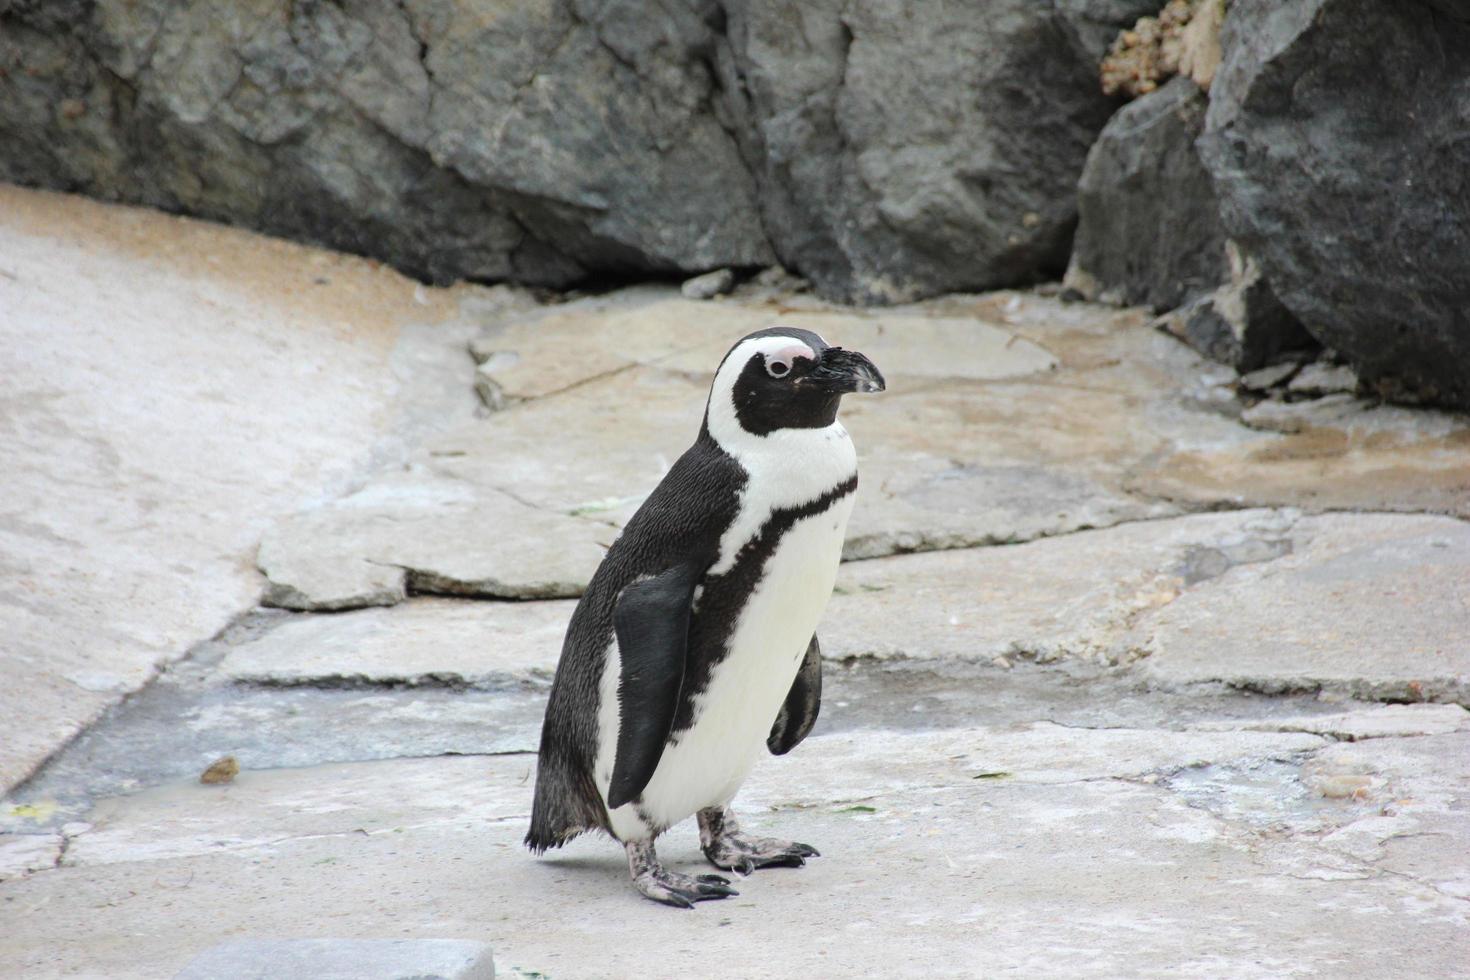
(841,371)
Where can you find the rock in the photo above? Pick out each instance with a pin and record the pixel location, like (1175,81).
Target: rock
(709,285)
(1148,231)
(148,441)
(222,770)
(1368,449)
(1074,596)
(388,798)
(1266,378)
(482,644)
(342,959)
(533,143)
(1378,276)
(550,142)
(1357,421)
(1365,605)
(171,730)
(1416,828)
(1241,323)
(1320,378)
(23,854)
(427,534)
(899,156)
(1378,721)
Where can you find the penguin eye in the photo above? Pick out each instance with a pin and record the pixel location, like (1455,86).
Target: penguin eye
(778,368)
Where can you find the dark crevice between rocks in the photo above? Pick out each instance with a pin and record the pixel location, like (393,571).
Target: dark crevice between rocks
(537,682)
(1186,509)
(1434,691)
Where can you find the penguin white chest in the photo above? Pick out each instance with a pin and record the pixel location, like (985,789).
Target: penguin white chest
(734,713)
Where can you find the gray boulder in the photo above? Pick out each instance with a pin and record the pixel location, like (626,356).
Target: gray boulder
(535,142)
(1337,141)
(1241,323)
(1148,229)
(1149,234)
(905,150)
(884,151)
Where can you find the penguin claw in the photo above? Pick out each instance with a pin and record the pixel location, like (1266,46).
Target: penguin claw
(675,899)
(682,891)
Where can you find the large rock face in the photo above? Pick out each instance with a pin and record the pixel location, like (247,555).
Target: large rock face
(903,151)
(1337,140)
(885,154)
(533,141)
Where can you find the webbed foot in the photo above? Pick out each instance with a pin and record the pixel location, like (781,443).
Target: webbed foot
(671,887)
(728,848)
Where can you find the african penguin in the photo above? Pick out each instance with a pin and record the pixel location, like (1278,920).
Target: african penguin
(694,646)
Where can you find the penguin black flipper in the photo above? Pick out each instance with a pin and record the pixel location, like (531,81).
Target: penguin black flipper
(799,712)
(651,621)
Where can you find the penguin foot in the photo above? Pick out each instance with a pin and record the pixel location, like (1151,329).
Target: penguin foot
(671,887)
(728,848)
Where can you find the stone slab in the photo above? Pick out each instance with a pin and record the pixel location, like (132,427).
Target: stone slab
(167,734)
(1331,453)
(185,817)
(342,959)
(1420,825)
(411,532)
(170,388)
(22,854)
(425,641)
(1370,457)
(925,871)
(1074,596)
(1371,606)
(1378,721)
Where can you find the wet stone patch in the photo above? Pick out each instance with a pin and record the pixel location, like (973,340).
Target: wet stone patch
(197,714)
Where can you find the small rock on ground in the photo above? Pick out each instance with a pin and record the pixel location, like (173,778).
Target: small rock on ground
(709,285)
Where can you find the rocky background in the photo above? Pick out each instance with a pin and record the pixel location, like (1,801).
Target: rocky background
(1304,180)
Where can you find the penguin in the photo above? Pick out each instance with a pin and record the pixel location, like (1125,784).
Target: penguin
(694,646)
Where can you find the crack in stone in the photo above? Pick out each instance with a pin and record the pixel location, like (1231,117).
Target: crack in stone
(535,680)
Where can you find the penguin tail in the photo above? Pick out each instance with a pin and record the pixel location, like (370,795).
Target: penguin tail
(565,806)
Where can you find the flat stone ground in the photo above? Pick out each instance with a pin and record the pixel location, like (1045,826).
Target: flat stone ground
(1137,668)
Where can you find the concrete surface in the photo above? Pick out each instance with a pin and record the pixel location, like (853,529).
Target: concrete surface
(423,641)
(1046,850)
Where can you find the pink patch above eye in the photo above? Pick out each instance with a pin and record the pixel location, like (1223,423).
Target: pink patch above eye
(788,354)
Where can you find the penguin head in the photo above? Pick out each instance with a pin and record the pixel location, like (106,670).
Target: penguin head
(784,378)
